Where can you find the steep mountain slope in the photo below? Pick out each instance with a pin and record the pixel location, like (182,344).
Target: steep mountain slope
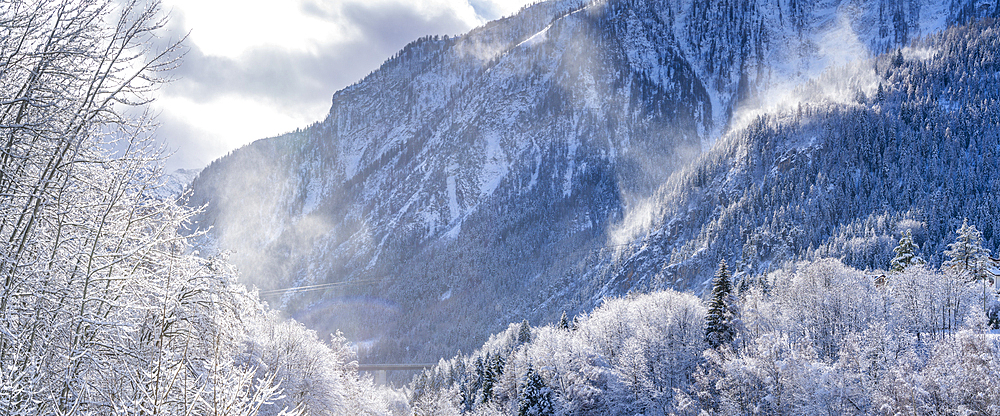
(845,180)
(473,181)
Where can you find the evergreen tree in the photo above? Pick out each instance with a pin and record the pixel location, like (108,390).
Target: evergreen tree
(489,379)
(563,321)
(966,254)
(524,334)
(721,320)
(536,397)
(897,58)
(491,375)
(475,386)
(418,387)
(905,253)
(498,365)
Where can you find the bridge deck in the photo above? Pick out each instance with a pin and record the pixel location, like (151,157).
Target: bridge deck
(394,367)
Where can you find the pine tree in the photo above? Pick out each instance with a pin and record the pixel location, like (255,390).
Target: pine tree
(418,387)
(524,334)
(491,375)
(563,321)
(489,379)
(720,326)
(966,254)
(905,253)
(498,364)
(475,385)
(536,397)
(897,58)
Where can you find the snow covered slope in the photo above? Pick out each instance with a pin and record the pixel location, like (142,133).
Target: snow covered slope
(476,180)
(919,153)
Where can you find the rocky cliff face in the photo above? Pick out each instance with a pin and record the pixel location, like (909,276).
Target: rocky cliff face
(491,177)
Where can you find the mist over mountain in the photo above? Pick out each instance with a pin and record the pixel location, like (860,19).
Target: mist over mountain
(582,149)
(843,180)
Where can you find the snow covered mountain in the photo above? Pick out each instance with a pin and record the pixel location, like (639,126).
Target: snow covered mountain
(544,160)
(920,153)
(173,184)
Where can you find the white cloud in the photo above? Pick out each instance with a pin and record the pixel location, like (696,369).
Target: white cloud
(261,68)
(241,118)
(231,27)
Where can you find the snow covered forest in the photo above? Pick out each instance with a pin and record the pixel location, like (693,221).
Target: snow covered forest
(850,239)
(817,338)
(584,149)
(796,332)
(104,306)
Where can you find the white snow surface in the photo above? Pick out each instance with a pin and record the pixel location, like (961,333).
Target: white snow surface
(495,167)
(453,208)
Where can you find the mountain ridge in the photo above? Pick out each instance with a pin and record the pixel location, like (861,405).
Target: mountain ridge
(473,178)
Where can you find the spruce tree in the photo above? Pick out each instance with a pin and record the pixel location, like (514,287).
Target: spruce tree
(535,398)
(475,384)
(524,334)
(419,387)
(720,326)
(498,364)
(490,377)
(966,254)
(905,253)
(563,321)
(897,58)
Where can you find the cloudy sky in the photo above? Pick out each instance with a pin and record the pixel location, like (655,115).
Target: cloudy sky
(260,68)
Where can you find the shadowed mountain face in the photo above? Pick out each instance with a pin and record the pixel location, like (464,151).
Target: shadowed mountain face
(512,172)
(919,153)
